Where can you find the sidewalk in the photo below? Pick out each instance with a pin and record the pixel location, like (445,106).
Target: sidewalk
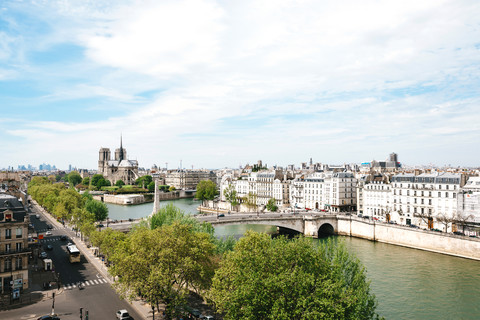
(140,306)
(37,276)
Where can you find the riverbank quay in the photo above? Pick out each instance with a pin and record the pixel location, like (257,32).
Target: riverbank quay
(318,224)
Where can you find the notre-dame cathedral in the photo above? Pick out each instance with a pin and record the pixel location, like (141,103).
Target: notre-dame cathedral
(119,168)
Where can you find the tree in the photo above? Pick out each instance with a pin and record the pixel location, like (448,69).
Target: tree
(251,201)
(98,208)
(74,178)
(444,219)
(119,183)
(172,188)
(264,278)
(86,181)
(462,218)
(170,214)
(95,179)
(151,186)
(144,181)
(271,206)
(231,195)
(206,190)
(163,264)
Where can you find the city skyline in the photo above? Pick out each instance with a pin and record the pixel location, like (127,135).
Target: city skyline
(216,85)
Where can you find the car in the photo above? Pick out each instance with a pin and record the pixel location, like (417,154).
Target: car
(37,216)
(63,237)
(123,314)
(221,215)
(43,255)
(48,233)
(458,233)
(48,317)
(195,312)
(49,227)
(30,225)
(207,317)
(49,247)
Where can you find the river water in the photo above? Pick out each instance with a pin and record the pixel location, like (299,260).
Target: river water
(408,283)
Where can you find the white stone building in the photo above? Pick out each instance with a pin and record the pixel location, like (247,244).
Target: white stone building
(426,199)
(376,199)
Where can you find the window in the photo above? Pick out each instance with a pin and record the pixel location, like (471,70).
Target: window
(19,246)
(446,194)
(439,194)
(18,264)
(8,233)
(19,233)
(8,247)
(8,264)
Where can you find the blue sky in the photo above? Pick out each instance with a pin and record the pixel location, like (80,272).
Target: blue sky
(217,84)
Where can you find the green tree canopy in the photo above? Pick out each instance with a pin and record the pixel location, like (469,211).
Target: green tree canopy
(144,181)
(264,278)
(163,264)
(271,206)
(119,183)
(74,178)
(98,208)
(151,186)
(95,179)
(231,195)
(86,181)
(206,190)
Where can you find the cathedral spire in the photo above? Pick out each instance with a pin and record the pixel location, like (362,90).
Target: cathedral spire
(120,157)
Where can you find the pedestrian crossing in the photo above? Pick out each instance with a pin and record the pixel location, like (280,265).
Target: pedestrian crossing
(87,283)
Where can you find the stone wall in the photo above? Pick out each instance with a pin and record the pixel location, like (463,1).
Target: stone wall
(124,199)
(450,244)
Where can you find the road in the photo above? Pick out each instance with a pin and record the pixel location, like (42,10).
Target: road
(97,296)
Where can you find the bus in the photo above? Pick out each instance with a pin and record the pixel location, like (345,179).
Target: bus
(73,253)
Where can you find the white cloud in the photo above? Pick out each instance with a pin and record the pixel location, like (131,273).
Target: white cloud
(329,75)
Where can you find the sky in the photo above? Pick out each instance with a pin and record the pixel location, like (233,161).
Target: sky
(214,84)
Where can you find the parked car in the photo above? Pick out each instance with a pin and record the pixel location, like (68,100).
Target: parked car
(195,312)
(207,317)
(221,215)
(123,315)
(48,317)
(49,247)
(37,216)
(63,237)
(458,233)
(48,233)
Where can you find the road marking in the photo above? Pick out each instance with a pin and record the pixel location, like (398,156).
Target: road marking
(95,281)
(87,282)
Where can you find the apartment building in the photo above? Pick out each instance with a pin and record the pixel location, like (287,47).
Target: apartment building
(14,250)
(426,199)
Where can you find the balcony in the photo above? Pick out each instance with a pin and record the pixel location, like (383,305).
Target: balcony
(14,252)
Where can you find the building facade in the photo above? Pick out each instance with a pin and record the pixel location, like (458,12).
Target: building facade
(14,249)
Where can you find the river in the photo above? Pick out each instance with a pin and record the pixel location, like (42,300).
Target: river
(408,283)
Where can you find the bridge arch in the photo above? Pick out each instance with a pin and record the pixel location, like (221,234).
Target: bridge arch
(326,230)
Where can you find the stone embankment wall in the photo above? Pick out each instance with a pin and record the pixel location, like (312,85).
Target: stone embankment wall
(450,244)
(124,199)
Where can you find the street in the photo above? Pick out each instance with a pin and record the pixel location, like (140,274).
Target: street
(96,294)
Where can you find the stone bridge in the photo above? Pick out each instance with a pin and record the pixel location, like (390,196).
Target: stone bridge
(309,225)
